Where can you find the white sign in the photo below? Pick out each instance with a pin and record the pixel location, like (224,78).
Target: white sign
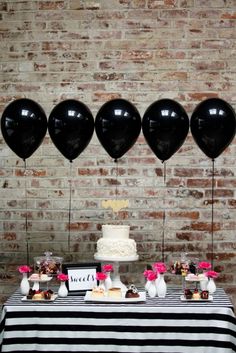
(81,278)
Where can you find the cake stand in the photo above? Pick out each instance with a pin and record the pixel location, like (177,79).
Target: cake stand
(116,281)
(36,282)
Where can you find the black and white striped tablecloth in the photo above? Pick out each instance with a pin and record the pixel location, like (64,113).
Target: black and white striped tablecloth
(158,325)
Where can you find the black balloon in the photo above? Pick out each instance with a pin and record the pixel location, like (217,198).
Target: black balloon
(71,127)
(23,126)
(117,125)
(213,125)
(165,127)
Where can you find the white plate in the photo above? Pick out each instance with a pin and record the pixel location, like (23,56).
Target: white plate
(183,299)
(141,298)
(40,280)
(53,297)
(196,279)
(192,279)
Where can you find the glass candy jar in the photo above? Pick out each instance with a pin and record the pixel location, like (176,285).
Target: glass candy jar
(48,264)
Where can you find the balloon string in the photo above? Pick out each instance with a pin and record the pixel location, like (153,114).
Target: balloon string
(26,215)
(164,175)
(69,212)
(164,216)
(212,212)
(116,189)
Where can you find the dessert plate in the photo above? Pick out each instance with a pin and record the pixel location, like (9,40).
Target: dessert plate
(183,299)
(40,280)
(195,279)
(25,299)
(105,299)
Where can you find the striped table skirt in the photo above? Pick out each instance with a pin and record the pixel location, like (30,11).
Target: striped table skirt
(159,325)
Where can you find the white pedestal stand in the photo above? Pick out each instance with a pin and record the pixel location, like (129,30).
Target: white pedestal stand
(37,282)
(116,281)
(197,282)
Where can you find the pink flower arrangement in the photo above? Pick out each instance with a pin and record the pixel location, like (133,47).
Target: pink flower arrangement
(24,269)
(151,276)
(160,267)
(107,268)
(212,274)
(203,265)
(62,277)
(101,276)
(146,273)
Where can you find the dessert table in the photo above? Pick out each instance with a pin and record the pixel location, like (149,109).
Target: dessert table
(158,325)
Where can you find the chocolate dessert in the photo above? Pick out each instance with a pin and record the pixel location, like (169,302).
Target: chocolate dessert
(205,294)
(39,294)
(188,294)
(132,292)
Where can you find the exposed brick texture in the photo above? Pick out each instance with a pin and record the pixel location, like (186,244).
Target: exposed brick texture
(93,51)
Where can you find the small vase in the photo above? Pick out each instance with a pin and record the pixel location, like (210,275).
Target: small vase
(108,282)
(152,291)
(211,287)
(102,284)
(24,285)
(62,291)
(147,285)
(161,286)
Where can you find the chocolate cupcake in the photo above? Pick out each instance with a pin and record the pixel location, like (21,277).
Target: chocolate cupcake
(132,292)
(205,294)
(188,294)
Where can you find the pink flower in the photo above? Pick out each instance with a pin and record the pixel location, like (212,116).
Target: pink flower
(146,273)
(159,267)
(107,268)
(151,276)
(24,269)
(204,265)
(62,277)
(212,274)
(101,276)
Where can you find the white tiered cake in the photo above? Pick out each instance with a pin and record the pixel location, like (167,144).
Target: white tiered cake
(115,244)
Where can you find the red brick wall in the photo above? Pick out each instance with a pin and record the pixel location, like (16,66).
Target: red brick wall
(140,50)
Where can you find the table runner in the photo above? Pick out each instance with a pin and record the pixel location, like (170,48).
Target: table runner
(158,325)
